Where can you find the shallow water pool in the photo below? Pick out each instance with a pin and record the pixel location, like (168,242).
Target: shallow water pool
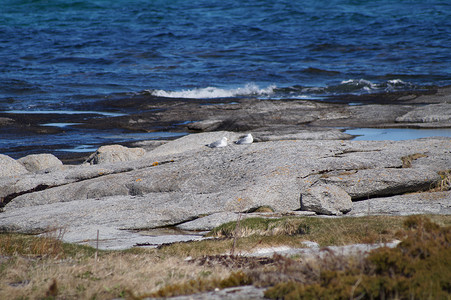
(396,134)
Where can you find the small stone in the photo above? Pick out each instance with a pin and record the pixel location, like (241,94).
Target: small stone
(326,199)
(115,153)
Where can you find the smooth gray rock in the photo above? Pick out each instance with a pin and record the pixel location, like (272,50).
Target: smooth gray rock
(184,180)
(206,125)
(432,113)
(368,183)
(211,221)
(149,144)
(326,199)
(9,167)
(111,238)
(422,203)
(192,142)
(115,153)
(40,162)
(331,134)
(312,251)
(30,183)
(247,292)
(214,220)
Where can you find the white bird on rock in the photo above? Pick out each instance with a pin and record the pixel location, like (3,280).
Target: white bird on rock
(248,139)
(218,144)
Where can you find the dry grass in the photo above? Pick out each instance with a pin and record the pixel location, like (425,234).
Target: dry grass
(445,183)
(324,231)
(418,268)
(36,268)
(408,159)
(112,275)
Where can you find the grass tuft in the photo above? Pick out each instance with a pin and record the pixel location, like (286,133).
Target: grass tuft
(444,184)
(261,226)
(408,159)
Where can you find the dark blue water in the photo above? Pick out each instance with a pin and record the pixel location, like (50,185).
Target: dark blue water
(59,54)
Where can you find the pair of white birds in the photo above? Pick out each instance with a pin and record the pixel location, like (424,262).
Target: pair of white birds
(248,139)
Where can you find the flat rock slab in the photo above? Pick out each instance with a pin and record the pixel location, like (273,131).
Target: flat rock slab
(422,203)
(364,184)
(314,252)
(110,238)
(433,113)
(214,220)
(183,180)
(248,292)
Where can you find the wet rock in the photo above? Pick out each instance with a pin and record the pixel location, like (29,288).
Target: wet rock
(40,162)
(5,121)
(326,199)
(115,153)
(10,167)
(206,125)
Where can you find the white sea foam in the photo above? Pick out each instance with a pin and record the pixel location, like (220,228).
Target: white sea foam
(214,92)
(397,82)
(366,84)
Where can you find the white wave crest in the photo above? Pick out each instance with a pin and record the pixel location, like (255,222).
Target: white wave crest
(214,92)
(365,84)
(397,82)
(368,86)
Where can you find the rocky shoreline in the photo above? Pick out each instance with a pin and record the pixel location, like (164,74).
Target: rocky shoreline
(296,165)
(144,114)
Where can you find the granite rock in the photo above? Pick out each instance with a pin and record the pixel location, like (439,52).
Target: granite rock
(184,180)
(40,162)
(115,153)
(326,199)
(10,167)
(401,205)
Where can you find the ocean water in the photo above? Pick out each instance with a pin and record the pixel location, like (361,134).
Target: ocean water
(60,54)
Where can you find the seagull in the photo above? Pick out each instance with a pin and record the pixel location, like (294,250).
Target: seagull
(218,144)
(248,139)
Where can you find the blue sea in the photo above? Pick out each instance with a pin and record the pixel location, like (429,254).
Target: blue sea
(60,55)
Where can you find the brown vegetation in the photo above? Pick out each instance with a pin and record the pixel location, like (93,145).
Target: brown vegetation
(419,268)
(44,267)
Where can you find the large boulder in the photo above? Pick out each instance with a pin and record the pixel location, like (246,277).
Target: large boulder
(39,162)
(364,184)
(10,167)
(115,153)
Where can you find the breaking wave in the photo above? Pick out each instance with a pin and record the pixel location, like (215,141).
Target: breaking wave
(214,92)
(351,86)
